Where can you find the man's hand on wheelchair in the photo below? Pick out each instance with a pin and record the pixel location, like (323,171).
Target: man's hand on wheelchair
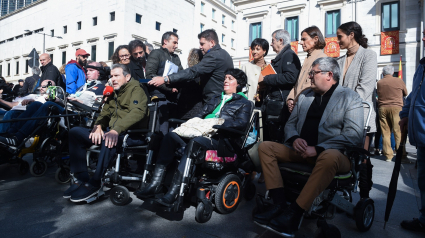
(111,138)
(96,135)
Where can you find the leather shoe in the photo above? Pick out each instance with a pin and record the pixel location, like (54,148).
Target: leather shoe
(288,222)
(274,211)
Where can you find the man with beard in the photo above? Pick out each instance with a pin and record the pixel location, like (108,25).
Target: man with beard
(138,59)
(75,74)
(49,71)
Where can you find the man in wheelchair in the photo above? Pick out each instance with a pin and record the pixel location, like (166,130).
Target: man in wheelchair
(232,105)
(326,119)
(125,109)
(86,95)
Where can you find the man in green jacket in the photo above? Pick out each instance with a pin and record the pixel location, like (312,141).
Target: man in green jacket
(125,109)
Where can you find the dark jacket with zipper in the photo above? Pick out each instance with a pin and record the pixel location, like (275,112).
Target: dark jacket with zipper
(50,72)
(126,109)
(236,112)
(287,66)
(155,67)
(136,69)
(210,70)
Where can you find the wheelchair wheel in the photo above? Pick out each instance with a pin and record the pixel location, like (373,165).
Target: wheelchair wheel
(250,191)
(38,168)
(364,214)
(120,196)
(63,174)
(228,193)
(23,167)
(202,214)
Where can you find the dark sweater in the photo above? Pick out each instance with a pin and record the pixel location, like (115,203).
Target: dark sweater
(310,129)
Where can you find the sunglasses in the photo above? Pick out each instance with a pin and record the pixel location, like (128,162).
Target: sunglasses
(45,86)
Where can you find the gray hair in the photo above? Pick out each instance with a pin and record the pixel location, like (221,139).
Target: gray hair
(35,70)
(282,34)
(125,69)
(149,46)
(388,70)
(328,64)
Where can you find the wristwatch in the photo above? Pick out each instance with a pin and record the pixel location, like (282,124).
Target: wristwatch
(166,79)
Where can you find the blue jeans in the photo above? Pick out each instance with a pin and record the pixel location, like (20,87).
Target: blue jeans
(22,129)
(421,181)
(9,115)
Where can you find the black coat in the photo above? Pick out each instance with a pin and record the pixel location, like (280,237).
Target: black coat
(287,66)
(50,72)
(210,70)
(136,70)
(29,85)
(236,112)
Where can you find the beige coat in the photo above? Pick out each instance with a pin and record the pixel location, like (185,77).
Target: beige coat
(253,72)
(304,81)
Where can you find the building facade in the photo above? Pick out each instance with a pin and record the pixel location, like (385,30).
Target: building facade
(97,26)
(256,18)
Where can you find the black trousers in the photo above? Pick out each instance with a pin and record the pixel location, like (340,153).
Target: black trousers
(79,142)
(172,141)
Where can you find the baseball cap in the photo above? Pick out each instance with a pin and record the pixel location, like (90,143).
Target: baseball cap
(81,52)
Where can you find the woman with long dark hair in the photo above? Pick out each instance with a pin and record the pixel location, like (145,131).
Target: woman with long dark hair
(358,68)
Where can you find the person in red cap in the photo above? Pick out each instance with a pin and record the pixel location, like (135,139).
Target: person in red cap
(75,74)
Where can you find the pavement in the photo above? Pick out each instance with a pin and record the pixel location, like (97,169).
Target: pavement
(34,207)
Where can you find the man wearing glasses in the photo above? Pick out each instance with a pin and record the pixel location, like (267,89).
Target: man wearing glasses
(326,119)
(74,70)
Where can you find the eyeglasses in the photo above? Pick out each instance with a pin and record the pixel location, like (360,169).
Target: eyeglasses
(312,73)
(124,56)
(45,86)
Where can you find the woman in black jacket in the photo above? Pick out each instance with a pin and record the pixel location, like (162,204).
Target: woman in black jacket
(232,105)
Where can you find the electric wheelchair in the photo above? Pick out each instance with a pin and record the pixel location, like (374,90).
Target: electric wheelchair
(337,196)
(216,183)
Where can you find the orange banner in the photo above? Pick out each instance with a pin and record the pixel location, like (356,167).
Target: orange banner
(251,58)
(294,46)
(389,43)
(332,47)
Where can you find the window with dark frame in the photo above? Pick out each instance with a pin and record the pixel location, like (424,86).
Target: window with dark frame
(93,52)
(158,26)
(223,36)
(139,18)
(390,16)
(65,29)
(202,7)
(8,69)
(94,21)
(26,66)
(292,27)
(202,27)
(52,33)
(110,49)
(223,19)
(232,41)
(1,70)
(112,14)
(213,13)
(254,31)
(332,22)
(51,57)
(175,30)
(63,57)
(79,25)
(17,67)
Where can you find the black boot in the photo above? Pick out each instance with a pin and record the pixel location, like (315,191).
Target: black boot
(288,222)
(170,197)
(279,201)
(155,185)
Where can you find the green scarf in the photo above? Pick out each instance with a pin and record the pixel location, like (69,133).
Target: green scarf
(213,114)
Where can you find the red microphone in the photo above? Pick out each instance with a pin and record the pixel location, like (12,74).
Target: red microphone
(108,91)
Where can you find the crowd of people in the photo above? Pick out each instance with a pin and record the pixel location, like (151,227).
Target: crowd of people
(311,112)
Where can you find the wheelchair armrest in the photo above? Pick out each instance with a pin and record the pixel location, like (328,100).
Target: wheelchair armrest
(178,121)
(221,128)
(137,131)
(80,105)
(357,150)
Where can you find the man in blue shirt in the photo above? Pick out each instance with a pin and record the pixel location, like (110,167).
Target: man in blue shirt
(75,74)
